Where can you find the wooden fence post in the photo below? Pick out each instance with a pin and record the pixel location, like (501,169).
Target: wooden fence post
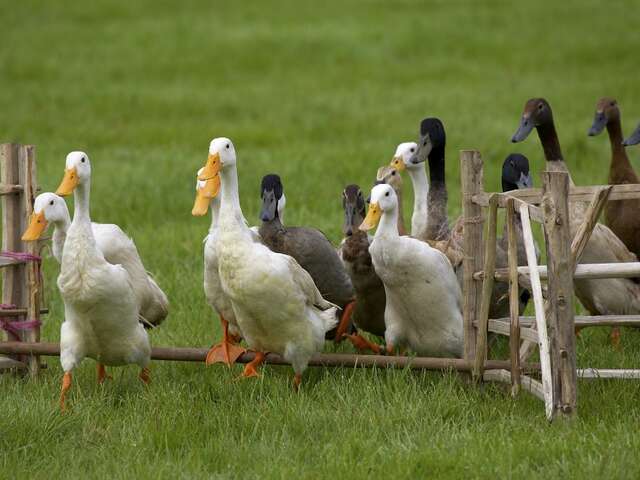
(555,205)
(514,298)
(471,170)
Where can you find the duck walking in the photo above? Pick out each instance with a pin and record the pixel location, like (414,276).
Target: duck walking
(100,306)
(423,299)
(277,306)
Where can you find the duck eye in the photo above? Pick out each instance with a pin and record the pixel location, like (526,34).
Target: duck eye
(613,103)
(51,202)
(227,145)
(540,106)
(413,150)
(393,173)
(386,194)
(82,159)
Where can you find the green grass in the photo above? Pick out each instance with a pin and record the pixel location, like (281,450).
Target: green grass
(322,95)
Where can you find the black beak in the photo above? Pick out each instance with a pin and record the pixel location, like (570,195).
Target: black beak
(526,125)
(634,139)
(599,122)
(349,232)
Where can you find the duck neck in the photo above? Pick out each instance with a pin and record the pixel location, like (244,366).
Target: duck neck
(230,211)
(437,198)
(58,238)
(551,146)
(81,204)
(215,214)
(620,169)
(420,190)
(388,226)
(401,227)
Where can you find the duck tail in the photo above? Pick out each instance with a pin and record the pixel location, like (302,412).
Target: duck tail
(157,309)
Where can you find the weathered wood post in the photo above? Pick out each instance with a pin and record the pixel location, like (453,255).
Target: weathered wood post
(555,205)
(514,298)
(471,172)
(21,282)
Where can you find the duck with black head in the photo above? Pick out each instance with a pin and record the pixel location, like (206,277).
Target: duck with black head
(368,314)
(612,296)
(621,216)
(311,249)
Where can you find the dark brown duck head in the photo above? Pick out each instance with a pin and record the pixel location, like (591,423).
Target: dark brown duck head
(515,173)
(634,139)
(354,208)
(537,114)
(607,113)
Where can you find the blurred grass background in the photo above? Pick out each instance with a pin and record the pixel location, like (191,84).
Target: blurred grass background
(321,94)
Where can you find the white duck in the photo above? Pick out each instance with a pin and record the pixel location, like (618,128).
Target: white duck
(227,351)
(276,304)
(114,244)
(101,311)
(424,303)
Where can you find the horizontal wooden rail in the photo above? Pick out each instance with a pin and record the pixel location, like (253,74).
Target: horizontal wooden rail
(190,354)
(6,261)
(576,194)
(8,189)
(503,327)
(534,387)
(17,312)
(595,373)
(585,321)
(583,271)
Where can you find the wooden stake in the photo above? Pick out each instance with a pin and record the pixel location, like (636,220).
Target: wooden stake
(555,206)
(487,288)
(514,298)
(538,302)
(591,216)
(471,170)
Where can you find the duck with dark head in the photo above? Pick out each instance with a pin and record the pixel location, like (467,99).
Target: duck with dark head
(368,314)
(611,296)
(311,249)
(621,216)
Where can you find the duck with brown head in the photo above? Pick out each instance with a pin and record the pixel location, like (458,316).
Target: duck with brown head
(612,296)
(391,176)
(621,216)
(368,313)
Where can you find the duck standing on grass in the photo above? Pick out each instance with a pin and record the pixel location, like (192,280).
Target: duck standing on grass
(311,249)
(368,314)
(115,245)
(423,299)
(100,306)
(277,306)
(228,350)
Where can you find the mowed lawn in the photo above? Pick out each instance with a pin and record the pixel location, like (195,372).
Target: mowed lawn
(321,94)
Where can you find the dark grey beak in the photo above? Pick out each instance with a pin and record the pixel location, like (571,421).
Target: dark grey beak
(525,181)
(424,149)
(599,122)
(526,125)
(634,139)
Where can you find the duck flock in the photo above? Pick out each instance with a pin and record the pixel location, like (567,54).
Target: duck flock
(286,290)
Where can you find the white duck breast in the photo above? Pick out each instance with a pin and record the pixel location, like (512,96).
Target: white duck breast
(276,303)
(424,303)
(116,247)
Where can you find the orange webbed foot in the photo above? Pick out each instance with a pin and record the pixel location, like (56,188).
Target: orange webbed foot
(102,374)
(615,338)
(362,344)
(251,368)
(297,380)
(345,319)
(66,385)
(224,352)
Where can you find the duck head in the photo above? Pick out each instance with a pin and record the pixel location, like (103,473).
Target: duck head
(634,139)
(515,173)
(389,175)
(383,199)
(606,111)
(77,171)
(354,209)
(206,190)
(432,137)
(47,208)
(537,112)
(273,199)
(402,158)
(221,154)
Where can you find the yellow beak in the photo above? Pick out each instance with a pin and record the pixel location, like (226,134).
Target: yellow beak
(397,163)
(37,225)
(211,168)
(69,182)
(372,218)
(204,195)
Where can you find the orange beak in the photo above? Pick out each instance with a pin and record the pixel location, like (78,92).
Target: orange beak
(397,163)
(372,218)
(37,225)
(211,168)
(204,196)
(69,182)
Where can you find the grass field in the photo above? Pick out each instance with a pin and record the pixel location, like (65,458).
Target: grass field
(321,95)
